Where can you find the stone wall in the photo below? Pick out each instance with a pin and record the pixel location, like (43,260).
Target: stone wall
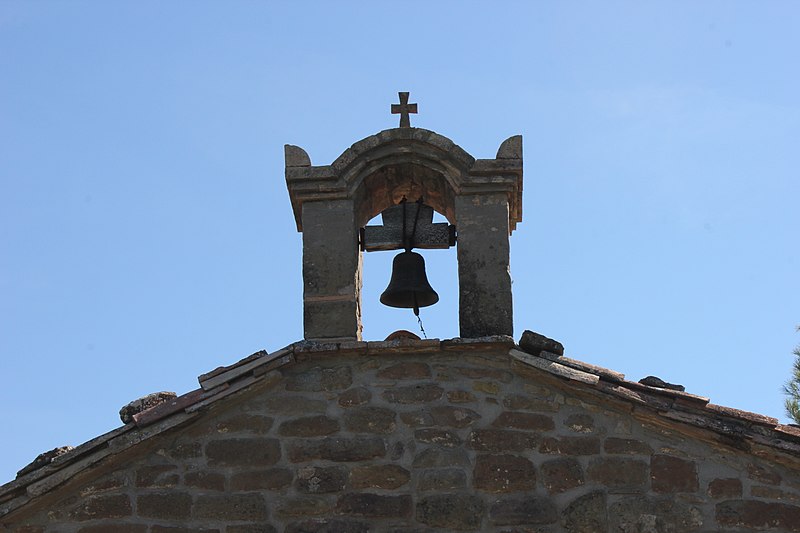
(418,443)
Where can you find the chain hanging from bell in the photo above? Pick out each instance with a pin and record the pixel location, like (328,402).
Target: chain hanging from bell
(409,287)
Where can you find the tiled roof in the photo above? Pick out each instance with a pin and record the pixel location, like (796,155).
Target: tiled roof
(753,433)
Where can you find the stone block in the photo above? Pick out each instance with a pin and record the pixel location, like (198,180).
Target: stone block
(586,514)
(441,457)
(103,506)
(387,477)
(453,416)
(321,479)
(560,475)
(422,393)
(294,404)
(243,452)
(756,514)
(763,475)
(530,510)
(355,396)
(618,473)
(503,473)
(303,506)
(327,525)
(439,437)
(442,479)
(309,426)
(580,423)
(523,402)
(502,440)
(614,445)
(727,488)
(370,420)
(526,421)
(205,480)
(406,370)
(155,476)
(451,511)
(374,505)
(460,396)
(673,474)
(340,449)
(262,479)
(654,515)
(571,445)
(319,379)
(251,528)
(100,528)
(249,507)
(164,505)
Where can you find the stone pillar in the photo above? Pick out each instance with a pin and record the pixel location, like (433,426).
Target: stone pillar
(331,271)
(485,304)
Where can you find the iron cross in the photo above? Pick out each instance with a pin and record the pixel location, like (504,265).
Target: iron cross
(404,108)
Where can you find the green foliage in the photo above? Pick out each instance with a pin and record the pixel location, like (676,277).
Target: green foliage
(792,389)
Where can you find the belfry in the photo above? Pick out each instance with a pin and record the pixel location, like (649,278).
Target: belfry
(384,174)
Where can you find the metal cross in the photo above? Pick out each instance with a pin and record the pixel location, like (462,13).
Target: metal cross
(419,230)
(404,108)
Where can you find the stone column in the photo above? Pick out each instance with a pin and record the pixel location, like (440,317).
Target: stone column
(485,304)
(331,271)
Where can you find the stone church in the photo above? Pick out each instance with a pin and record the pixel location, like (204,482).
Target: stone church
(482,432)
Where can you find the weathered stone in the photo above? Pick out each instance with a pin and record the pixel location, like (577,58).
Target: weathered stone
(303,506)
(441,457)
(174,529)
(418,418)
(164,505)
(406,370)
(262,479)
(503,473)
(487,387)
(771,493)
(103,506)
(105,484)
(571,445)
(309,426)
(586,514)
(580,423)
(370,420)
(525,510)
(243,423)
(522,402)
(46,458)
(157,476)
(452,416)
(144,403)
(485,373)
(293,405)
(672,474)
(251,528)
(185,450)
(764,475)
(327,525)
(460,396)
(205,480)
(379,477)
(559,475)
(526,421)
(626,446)
(102,528)
(355,396)
(502,440)
(758,515)
(244,452)
(245,507)
(422,393)
(535,343)
(442,479)
(451,511)
(321,479)
(618,473)
(374,505)
(662,515)
(725,488)
(440,437)
(340,449)
(320,379)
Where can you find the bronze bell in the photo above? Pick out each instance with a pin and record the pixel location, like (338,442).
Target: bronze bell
(409,287)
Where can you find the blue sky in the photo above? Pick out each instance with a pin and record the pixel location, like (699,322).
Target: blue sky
(146,234)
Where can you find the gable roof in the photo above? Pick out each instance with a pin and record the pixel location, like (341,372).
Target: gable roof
(690,414)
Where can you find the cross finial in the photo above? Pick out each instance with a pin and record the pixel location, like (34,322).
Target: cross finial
(404,108)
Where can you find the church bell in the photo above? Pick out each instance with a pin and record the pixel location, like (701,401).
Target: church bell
(409,287)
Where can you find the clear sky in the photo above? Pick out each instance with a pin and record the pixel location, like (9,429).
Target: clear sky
(146,234)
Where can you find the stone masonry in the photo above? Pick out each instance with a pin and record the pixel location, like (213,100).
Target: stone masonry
(444,441)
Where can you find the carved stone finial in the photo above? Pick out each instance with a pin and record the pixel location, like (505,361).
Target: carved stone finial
(403,109)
